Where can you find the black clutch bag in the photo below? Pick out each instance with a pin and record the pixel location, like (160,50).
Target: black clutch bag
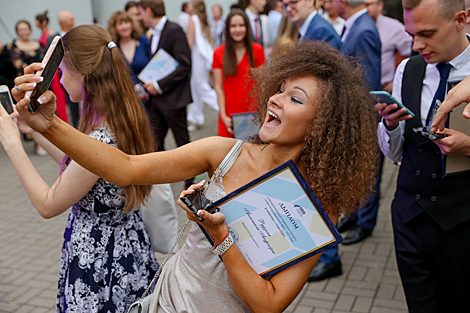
(197,201)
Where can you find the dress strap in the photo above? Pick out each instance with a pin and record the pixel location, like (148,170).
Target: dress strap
(229,159)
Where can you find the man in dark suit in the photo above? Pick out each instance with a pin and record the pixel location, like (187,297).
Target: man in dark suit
(430,211)
(311,25)
(360,40)
(170,95)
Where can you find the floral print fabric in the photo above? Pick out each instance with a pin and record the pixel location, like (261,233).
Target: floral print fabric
(107,260)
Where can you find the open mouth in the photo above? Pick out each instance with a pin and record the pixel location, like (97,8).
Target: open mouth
(273,120)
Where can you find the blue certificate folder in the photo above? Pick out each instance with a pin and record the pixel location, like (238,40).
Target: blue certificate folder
(276,221)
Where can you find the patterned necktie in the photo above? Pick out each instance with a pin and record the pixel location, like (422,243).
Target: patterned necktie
(444,70)
(257,30)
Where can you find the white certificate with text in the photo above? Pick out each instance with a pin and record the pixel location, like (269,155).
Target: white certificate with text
(276,220)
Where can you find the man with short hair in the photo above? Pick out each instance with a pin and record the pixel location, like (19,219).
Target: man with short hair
(274,20)
(217,25)
(170,95)
(258,22)
(311,25)
(430,211)
(331,16)
(185,15)
(396,42)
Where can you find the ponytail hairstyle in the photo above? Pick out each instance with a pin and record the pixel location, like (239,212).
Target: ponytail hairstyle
(230,58)
(199,8)
(109,93)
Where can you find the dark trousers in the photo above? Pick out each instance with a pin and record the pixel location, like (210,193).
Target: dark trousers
(175,120)
(434,265)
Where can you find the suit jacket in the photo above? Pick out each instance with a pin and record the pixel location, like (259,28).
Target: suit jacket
(321,30)
(176,90)
(363,42)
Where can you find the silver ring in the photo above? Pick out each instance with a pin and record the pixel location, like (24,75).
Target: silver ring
(17,89)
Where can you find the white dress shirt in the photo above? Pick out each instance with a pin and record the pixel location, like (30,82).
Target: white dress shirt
(391,142)
(338,24)
(350,22)
(156,34)
(306,24)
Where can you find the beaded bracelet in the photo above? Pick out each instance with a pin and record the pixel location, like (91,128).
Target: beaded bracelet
(223,246)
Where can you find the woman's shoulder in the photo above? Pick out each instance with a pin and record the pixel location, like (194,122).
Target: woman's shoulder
(220,49)
(257,47)
(143,40)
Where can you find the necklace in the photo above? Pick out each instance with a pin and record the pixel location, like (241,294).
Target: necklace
(265,146)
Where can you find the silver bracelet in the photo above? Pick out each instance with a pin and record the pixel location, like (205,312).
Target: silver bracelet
(223,246)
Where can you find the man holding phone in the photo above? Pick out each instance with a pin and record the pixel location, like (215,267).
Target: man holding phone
(430,213)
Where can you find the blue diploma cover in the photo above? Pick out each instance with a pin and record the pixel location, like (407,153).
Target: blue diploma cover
(276,221)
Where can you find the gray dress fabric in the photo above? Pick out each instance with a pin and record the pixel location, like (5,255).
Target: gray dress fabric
(195,279)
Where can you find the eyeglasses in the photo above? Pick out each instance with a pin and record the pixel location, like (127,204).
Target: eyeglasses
(291,4)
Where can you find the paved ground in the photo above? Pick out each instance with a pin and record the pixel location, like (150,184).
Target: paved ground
(30,251)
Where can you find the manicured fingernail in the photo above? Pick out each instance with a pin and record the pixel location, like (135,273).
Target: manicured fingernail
(42,65)
(42,100)
(26,97)
(200,213)
(38,78)
(201,182)
(31,85)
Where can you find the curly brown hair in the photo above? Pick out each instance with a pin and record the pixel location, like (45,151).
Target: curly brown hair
(341,149)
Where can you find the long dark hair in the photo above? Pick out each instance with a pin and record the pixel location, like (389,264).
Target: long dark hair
(230,58)
(109,92)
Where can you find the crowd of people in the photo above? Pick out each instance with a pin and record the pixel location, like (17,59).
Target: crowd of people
(304,68)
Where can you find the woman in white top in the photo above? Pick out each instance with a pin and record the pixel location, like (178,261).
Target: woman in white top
(201,43)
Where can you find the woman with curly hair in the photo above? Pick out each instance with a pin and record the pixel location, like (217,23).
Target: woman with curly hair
(314,108)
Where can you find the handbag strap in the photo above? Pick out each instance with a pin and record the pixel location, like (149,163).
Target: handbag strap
(167,256)
(229,159)
(221,170)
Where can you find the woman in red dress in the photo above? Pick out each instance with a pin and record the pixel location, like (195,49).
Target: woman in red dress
(231,66)
(42,21)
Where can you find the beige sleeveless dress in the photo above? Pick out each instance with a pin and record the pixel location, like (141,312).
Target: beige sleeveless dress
(194,279)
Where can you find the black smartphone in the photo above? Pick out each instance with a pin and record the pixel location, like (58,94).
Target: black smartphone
(197,201)
(52,59)
(5,99)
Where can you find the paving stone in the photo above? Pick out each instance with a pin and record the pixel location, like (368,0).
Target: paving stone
(386,291)
(303,309)
(30,250)
(362,304)
(345,302)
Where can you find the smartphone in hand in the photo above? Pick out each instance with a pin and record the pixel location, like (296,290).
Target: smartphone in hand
(52,59)
(5,99)
(385,97)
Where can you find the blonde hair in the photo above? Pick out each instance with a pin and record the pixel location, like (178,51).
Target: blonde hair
(199,9)
(109,93)
(288,32)
(125,17)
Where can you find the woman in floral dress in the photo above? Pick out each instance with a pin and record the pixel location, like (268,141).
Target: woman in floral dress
(107,261)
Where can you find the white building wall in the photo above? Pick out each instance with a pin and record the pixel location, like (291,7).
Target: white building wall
(85,11)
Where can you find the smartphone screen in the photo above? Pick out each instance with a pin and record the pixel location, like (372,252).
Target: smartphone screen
(48,74)
(5,99)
